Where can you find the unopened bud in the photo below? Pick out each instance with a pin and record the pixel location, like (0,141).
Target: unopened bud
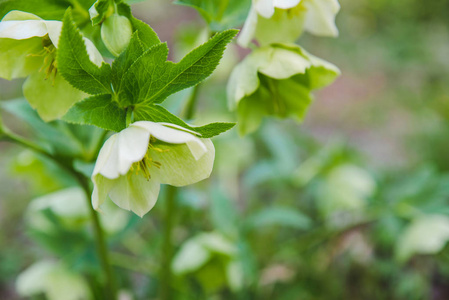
(116,33)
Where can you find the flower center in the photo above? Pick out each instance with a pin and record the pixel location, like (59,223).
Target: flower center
(48,52)
(143,166)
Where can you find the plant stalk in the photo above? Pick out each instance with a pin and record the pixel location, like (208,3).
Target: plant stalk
(7,135)
(167,246)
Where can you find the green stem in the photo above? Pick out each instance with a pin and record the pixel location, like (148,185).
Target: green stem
(189,109)
(100,240)
(165,275)
(84,183)
(167,247)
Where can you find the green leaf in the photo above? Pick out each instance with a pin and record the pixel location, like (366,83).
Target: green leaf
(102,7)
(157,113)
(75,65)
(60,138)
(125,60)
(151,78)
(220,14)
(46,9)
(98,110)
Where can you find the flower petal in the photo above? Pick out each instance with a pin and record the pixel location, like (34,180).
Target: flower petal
(17,59)
(173,136)
(320,17)
(178,164)
(285,4)
(17,15)
(249,29)
(20,30)
(134,192)
(122,150)
(54,31)
(265,8)
(51,97)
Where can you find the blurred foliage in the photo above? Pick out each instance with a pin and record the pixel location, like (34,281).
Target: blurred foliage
(285,215)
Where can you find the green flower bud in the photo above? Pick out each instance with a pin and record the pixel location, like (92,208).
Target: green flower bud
(116,33)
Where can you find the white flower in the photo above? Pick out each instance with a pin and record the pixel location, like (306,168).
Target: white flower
(134,162)
(28,47)
(283,21)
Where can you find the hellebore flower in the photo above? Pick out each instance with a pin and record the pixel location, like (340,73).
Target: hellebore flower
(134,162)
(28,47)
(283,21)
(276,80)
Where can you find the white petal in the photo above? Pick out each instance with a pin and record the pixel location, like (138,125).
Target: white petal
(20,30)
(134,192)
(249,29)
(171,135)
(179,166)
(92,51)
(265,8)
(54,31)
(320,17)
(285,4)
(120,151)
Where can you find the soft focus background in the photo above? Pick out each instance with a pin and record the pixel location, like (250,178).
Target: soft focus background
(352,204)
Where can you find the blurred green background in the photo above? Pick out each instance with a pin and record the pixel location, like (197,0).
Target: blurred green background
(351,204)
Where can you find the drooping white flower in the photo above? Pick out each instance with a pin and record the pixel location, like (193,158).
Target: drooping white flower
(133,163)
(276,80)
(28,46)
(283,21)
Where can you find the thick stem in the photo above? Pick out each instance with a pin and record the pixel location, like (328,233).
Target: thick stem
(83,181)
(167,247)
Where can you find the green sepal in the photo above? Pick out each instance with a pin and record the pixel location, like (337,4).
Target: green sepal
(75,65)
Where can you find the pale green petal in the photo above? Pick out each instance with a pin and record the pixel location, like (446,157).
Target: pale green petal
(178,165)
(134,192)
(425,235)
(320,17)
(33,280)
(190,257)
(283,63)
(17,15)
(51,97)
(70,202)
(244,79)
(285,26)
(102,186)
(120,151)
(18,57)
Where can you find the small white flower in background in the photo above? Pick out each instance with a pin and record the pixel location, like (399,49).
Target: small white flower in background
(283,21)
(133,163)
(28,47)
